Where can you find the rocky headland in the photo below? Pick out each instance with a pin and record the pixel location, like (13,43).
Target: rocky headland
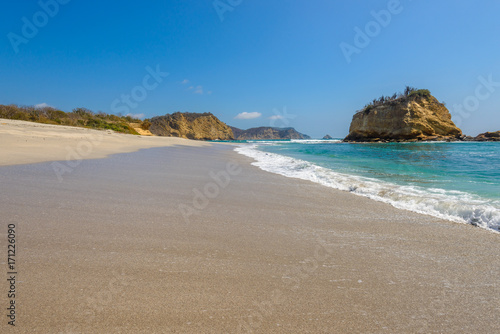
(208,127)
(191,126)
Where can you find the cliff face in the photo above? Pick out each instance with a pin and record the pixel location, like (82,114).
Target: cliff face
(191,126)
(267,133)
(407,119)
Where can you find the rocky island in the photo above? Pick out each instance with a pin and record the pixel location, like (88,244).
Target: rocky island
(415,115)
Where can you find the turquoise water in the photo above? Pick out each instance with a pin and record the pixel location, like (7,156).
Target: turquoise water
(458,181)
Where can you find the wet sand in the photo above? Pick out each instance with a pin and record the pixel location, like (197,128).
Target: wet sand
(130,244)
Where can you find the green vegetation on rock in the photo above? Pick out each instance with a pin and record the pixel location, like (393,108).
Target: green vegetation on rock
(410,93)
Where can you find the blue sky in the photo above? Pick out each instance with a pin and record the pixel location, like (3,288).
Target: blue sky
(279,59)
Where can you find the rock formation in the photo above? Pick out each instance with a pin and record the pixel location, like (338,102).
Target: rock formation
(267,133)
(488,136)
(191,126)
(327,137)
(417,115)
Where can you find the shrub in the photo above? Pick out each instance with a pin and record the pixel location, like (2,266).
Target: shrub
(409,93)
(83,112)
(420,93)
(146,124)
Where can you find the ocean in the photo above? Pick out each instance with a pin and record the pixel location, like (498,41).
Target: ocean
(458,181)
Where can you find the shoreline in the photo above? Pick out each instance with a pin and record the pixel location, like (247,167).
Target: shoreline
(282,164)
(109,250)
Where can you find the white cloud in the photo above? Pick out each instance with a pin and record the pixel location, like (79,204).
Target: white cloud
(190,87)
(42,105)
(185,81)
(276,117)
(139,116)
(248,115)
(199,90)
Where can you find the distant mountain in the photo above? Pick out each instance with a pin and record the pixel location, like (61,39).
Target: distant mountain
(190,125)
(266,132)
(327,137)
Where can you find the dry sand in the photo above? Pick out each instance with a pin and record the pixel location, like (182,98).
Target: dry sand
(107,249)
(27,142)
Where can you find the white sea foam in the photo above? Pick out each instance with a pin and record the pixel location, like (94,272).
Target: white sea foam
(295,141)
(452,205)
(315,141)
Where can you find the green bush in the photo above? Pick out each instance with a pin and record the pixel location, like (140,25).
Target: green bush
(409,93)
(420,93)
(146,124)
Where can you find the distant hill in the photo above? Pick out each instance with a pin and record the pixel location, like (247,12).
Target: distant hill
(191,126)
(266,132)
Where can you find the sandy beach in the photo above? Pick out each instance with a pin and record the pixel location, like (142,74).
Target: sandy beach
(176,236)
(27,142)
